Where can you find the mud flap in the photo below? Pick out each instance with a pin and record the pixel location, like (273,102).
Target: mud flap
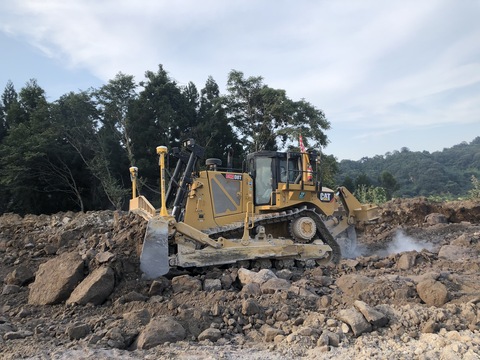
(154,257)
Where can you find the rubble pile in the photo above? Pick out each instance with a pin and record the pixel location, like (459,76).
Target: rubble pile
(72,289)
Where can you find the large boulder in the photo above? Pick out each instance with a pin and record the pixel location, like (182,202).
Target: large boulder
(186,283)
(210,334)
(355,320)
(95,288)
(270,332)
(20,276)
(159,331)
(56,279)
(407,260)
(455,253)
(373,316)
(251,307)
(435,218)
(353,285)
(247,276)
(78,330)
(273,285)
(432,292)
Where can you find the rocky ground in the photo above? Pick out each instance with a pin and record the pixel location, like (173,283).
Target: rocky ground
(72,290)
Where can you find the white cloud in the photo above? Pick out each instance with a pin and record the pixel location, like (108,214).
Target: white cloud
(379,66)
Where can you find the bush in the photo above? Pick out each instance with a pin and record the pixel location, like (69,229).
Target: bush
(369,194)
(474,193)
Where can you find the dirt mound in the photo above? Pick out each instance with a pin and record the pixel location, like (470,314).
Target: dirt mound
(72,289)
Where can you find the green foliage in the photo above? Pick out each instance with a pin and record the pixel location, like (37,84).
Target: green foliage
(407,174)
(474,193)
(213,130)
(362,180)
(26,152)
(328,169)
(114,100)
(265,118)
(76,119)
(348,183)
(161,115)
(389,183)
(371,195)
(74,153)
(443,197)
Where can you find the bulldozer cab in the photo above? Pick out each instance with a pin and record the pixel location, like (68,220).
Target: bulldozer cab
(268,169)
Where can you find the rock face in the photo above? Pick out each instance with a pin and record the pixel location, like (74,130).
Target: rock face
(56,279)
(95,288)
(159,331)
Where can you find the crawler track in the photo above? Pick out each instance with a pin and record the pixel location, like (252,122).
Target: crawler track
(235,230)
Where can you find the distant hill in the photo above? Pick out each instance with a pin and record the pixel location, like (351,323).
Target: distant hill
(445,173)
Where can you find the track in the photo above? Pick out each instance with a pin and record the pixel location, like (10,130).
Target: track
(235,230)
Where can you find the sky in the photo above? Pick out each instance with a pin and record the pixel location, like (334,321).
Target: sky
(387,74)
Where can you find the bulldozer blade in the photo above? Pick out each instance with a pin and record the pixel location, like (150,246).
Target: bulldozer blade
(154,257)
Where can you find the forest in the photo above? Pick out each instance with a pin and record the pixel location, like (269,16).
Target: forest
(74,153)
(447,174)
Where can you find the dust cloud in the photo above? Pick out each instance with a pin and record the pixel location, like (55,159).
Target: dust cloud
(402,242)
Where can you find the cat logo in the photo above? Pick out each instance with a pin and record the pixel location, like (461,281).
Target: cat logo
(326,196)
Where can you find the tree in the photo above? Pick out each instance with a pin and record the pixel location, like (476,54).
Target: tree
(3,116)
(212,129)
(11,108)
(308,121)
(369,194)
(266,118)
(389,183)
(114,100)
(78,120)
(9,96)
(114,154)
(24,151)
(328,169)
(474,192)
(363,179)
(349,184)
(162,115)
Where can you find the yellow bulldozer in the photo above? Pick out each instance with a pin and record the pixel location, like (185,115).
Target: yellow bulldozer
(275,208)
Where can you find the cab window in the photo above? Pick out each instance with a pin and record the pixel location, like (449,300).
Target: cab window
(292,170)
(263,180)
